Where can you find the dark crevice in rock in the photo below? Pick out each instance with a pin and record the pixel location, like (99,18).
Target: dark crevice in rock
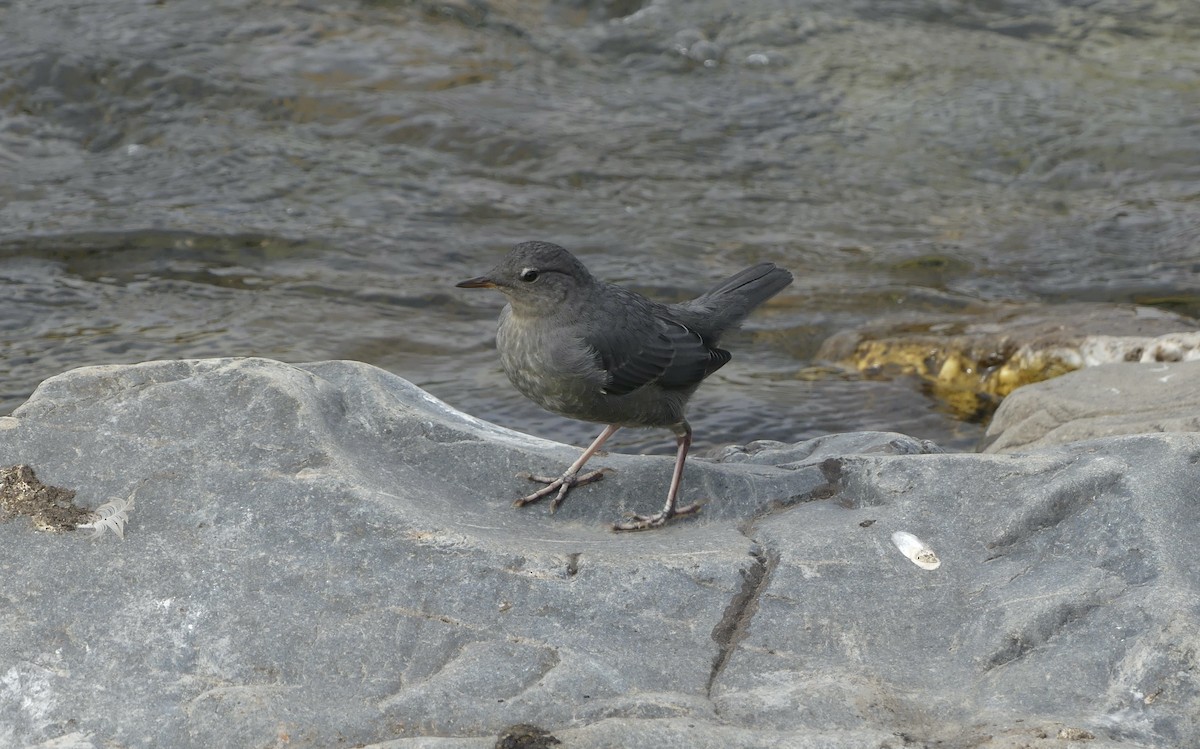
(526,736)
(1062,503)
(736,620)
(831,470)
(573,564)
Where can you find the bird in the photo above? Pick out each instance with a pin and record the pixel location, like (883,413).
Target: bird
(598,352)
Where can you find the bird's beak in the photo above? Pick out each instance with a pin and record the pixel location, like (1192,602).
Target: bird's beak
(480,282)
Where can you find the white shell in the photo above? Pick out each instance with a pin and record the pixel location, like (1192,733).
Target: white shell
(916,550)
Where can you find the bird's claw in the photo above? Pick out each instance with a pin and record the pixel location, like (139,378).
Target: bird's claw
(557,486)
(646,522)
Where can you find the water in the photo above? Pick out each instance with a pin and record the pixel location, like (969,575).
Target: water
(307,180)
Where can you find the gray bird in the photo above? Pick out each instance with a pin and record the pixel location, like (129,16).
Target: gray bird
(593,351)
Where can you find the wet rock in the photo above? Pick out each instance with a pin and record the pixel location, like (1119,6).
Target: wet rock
(324,554)
(1100,401)
(601,10)
(971,363)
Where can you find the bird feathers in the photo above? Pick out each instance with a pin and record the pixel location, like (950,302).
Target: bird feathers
(110,516)
(725,305)
(645,345)
(594,351)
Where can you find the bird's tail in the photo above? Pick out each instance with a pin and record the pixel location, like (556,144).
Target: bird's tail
(725,305)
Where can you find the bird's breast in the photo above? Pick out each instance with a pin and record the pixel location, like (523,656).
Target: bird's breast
(554,367)
(550,365)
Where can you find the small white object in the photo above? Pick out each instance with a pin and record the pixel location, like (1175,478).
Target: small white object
(110,516)
(916,550)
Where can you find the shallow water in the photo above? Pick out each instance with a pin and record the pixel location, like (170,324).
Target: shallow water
(307,181)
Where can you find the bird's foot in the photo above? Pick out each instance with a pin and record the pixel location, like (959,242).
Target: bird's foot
(646,522)
(557,486)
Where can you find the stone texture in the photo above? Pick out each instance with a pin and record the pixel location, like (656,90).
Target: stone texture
(971,362)
(1100,401)
(324,555)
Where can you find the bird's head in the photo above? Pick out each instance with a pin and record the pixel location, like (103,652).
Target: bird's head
(537,278)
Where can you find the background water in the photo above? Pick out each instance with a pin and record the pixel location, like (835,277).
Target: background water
(307,180)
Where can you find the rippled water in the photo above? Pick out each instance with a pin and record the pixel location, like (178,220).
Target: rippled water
(308,180)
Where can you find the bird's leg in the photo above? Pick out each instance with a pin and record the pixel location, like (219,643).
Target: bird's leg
(683,436)
(570,477)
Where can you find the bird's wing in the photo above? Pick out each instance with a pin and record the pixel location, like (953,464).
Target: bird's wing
(650,347)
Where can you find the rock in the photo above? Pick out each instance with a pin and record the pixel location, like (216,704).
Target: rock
(525,736)
(49,508)
(325,555)
(1099,402)
(971,362)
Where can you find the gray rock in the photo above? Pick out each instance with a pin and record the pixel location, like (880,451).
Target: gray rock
(325,555)
(1101,401)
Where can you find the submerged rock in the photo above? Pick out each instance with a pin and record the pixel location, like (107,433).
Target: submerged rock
(324,554)
(972,364)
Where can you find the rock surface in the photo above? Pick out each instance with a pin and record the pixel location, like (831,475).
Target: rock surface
(324,555)
(971,362)
(1101,401)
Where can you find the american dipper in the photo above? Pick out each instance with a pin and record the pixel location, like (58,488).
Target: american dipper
(593,351)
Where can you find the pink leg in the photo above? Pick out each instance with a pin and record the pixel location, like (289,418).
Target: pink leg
(683,433)
(570,477)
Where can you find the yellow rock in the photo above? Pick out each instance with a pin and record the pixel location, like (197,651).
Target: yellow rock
(971,364)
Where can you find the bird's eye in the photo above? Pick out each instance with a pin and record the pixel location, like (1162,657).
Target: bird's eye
(528,275)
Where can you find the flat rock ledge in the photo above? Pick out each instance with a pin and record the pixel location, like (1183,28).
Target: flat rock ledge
(324,555)
(1102,401)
